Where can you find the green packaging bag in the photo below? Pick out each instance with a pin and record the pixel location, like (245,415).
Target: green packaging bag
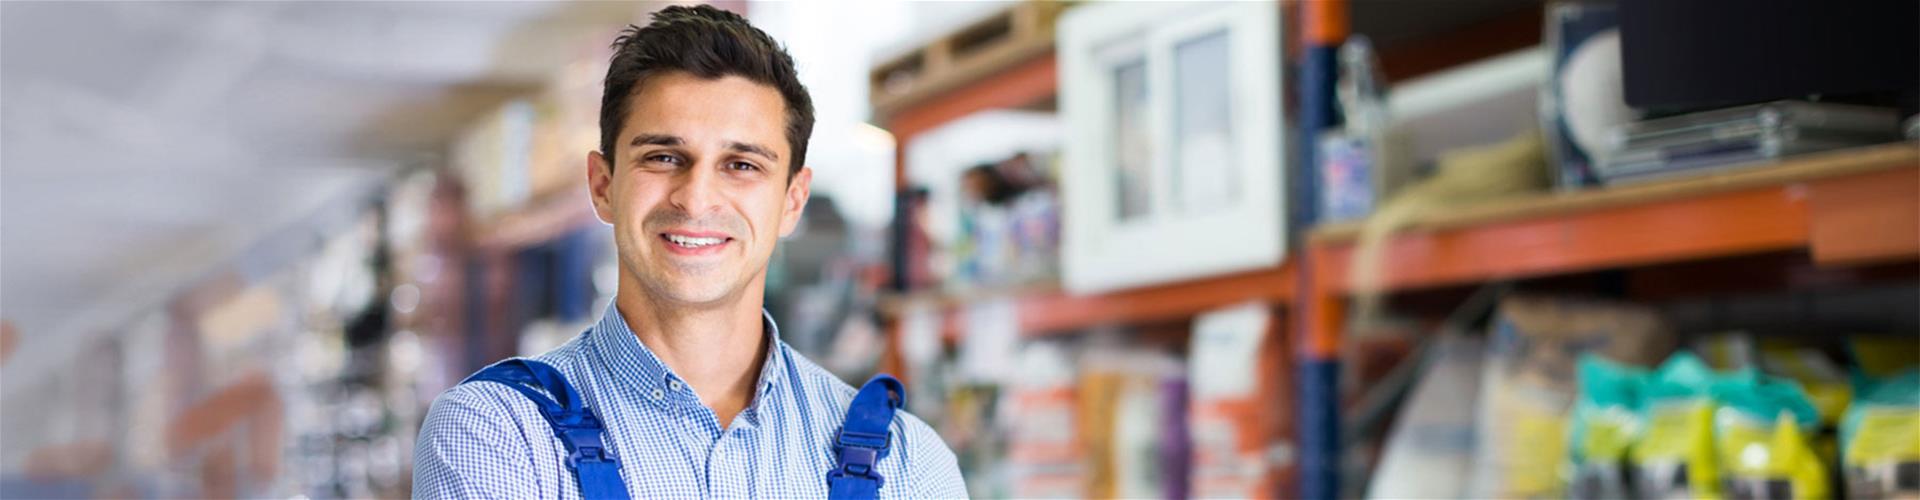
(1674,457)
(1606,423)
(1762,432)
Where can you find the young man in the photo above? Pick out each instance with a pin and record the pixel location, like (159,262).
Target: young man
(701,170)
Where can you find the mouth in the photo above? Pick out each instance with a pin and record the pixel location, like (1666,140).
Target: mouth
(686,243)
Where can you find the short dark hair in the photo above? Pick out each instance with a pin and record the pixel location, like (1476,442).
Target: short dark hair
(709,43)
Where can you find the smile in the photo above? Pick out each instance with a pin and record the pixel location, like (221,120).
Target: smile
(694,244)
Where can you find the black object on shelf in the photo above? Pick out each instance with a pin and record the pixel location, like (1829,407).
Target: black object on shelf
(1701,54)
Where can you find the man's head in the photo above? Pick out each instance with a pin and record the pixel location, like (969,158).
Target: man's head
(709,43)
(701,167)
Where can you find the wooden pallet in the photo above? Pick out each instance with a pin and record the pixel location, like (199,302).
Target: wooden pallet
(981,49)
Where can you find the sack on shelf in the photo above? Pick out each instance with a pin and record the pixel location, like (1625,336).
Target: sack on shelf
(1528,387)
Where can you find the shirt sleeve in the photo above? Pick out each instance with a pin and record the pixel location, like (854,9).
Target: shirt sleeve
(935,471)
(470,447)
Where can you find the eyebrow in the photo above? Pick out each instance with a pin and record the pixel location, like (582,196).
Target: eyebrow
(655,140)
(674,141)
(750,148)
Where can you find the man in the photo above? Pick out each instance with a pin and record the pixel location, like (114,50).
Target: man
(701,169)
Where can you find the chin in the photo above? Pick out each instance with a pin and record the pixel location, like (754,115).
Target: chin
(690,290)
(695,296)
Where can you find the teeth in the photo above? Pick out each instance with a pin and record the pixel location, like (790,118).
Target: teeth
(692,242)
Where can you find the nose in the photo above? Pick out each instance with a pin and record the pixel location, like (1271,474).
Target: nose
(696,189)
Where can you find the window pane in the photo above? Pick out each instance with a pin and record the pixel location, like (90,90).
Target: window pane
(1205,178)
(1132,145)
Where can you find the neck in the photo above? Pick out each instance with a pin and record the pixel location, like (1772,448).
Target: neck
(717,349)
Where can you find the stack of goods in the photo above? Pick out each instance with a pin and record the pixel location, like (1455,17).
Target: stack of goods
(1095,419)
(1528,385)
(1009,223)
(1130,403)
(1879,442)
(1045,457)
(1712,140)
(1222,417)
(966,420)
(1761,427)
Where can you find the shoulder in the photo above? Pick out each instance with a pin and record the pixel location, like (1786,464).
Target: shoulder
(484,439)
(474,406)
(933,470)
(474,443)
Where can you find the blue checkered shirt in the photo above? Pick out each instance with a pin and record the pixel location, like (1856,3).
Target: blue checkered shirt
(485,440)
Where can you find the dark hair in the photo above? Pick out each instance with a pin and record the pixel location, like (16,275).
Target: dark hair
(709,43)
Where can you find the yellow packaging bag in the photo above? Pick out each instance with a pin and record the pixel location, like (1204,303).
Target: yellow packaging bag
(1762,431)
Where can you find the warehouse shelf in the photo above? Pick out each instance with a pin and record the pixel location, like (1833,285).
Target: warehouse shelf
(1849,210)
(1047,309)
(1856,205)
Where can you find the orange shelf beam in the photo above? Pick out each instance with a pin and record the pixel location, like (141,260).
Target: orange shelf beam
(1847,207)
(1866,218)
(1717,225)
(1021,85)
(1854,205)
(1054,312)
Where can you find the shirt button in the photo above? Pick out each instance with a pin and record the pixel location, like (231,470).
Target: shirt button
(676,385)
(658,394)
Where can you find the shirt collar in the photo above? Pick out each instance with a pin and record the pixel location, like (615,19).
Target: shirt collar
(634,364)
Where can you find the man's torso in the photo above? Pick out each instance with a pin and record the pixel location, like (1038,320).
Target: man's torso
(484,439)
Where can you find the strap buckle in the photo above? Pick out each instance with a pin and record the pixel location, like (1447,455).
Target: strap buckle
(857,462)
(859,455)
(587,455)
(584,444)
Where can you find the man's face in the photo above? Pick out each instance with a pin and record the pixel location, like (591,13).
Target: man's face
(697,192)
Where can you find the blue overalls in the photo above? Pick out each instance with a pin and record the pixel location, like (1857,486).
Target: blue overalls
(862,442)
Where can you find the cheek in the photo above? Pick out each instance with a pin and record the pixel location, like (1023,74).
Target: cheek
(766,212)
(631,203)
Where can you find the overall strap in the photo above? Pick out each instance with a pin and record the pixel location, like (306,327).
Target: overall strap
(597,471)
(864,439)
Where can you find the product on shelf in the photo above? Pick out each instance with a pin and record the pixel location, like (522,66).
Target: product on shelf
(1883,355)
(1825,383)
(1880,436)
(1606,424)
(1583,96)
(1223,364)
(1675,457)
(1762,434)
(1124,395)
(1430,452)
(1045,457)
(1009,226)
(1528,386)
(1688,430)
(1712,140)
(967,425)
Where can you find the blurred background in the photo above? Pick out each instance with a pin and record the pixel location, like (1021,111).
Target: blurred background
(1299,249)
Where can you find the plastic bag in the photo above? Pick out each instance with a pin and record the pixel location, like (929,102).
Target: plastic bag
(1880,437)
(1606,424)
(1762,432)
(1675,457)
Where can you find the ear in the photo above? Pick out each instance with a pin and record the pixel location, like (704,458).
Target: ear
(796,201)
(599,182)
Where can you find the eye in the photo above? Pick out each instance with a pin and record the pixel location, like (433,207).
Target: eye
(662,158)
(742,166)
